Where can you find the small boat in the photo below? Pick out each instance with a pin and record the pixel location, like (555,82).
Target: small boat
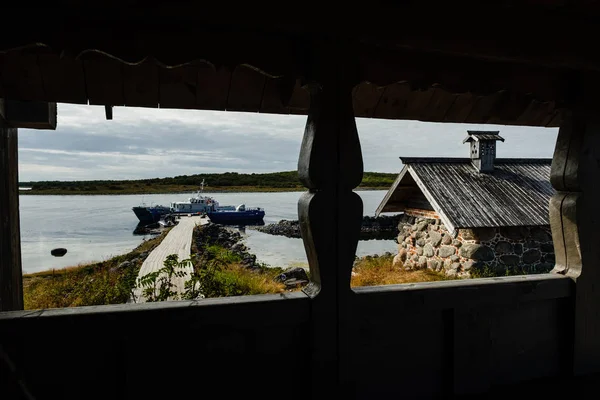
(240,214)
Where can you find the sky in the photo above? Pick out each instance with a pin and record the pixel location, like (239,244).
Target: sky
(148,143)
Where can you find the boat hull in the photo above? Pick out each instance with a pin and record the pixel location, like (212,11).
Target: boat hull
(236,217)
(149,215)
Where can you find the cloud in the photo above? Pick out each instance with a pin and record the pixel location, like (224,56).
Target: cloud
(147,143)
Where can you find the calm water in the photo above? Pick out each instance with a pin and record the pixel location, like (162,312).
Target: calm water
(95,228)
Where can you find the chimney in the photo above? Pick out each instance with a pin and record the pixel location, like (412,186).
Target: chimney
(483,149)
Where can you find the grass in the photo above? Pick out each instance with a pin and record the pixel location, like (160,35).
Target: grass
(85,285)
(374,271)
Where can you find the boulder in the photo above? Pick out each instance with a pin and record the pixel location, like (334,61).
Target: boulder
(454,258)
(421,242)
(419,251)
(421,226)
(296,273)
(549,258)
(531,256)
(398,261)
(518,248)
(504,247)
(530,244)
(468,265)
(446,251)
(422,262)
(451,273)
(446,239)
(477,252)
(124,264)
(414,258)
(547,248)
(428,250)
(436,238)
(456,243)
(510,260)
(447,264)
(540,235)
(295,283)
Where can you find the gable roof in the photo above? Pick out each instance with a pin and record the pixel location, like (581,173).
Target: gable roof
(516,193)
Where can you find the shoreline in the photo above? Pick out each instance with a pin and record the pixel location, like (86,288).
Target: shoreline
(234,189)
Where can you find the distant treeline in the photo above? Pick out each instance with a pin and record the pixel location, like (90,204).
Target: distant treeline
(275,180)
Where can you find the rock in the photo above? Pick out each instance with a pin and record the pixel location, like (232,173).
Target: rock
(124,264)
(401,238)
(413,235)
(414,257)
(504,247)
(447,264)
(422,262)
(544,267)
(403,254)
(433,264)
(549,258)
(455,266)
(421,242)
(296,273)
(295,283)
(144,254)
(398,261)
(446,239)
(480,234)
(531,256)
(420,251)
(540,235)
(421,226)
(515,232)
(532,245)
(456,243)
(468,265)
(446,251)
(547,248)
(510,260)
(451,273)
(477,252)
(58,252)
(454,258)
(387,254)
(428,250)
(436,238)
(518,248)
(408,265)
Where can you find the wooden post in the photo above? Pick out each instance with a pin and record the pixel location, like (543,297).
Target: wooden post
(575,222)
(11,280)
(330,215)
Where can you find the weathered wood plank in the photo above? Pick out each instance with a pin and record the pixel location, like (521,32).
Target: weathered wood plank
(103,80)
(28,114)
(273,96)
(140,84)
(63,77)
(11,281)
(393,101)
(213,87)
(21,77)
(366,97)
(300,100)
(178,86)
(246,90)
(461,108)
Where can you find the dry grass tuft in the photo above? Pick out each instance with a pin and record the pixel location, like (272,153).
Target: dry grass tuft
(370,271)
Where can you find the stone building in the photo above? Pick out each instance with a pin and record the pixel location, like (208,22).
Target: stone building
(481,212)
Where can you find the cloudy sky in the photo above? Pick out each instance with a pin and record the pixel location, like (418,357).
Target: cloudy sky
(147,143)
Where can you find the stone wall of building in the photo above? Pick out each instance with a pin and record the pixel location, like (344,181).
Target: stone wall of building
(426,243)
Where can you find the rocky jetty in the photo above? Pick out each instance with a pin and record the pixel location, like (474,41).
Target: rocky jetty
(382,227)
(214,234)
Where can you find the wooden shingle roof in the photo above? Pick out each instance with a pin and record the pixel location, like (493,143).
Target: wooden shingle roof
(516,193)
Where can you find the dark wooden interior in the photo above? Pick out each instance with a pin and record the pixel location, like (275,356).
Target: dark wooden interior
(505,62)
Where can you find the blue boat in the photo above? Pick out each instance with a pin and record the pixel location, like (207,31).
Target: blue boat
(241,215)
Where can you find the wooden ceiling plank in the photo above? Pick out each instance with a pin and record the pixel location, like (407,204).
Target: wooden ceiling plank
(140,84)
(393,101)
(21,77)
(482,109)
(64,80)
(246,91)
(104,80)
(271,101)
(213,87)
(460,109)
(178,86)
(365,97)
(300,99)
(438,106)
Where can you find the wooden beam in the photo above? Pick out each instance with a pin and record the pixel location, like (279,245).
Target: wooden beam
(574,220)
(28,114)
(11,284)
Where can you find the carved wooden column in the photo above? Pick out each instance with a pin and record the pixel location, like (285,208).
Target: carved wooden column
(330,214)
(11,286)
(575,221)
